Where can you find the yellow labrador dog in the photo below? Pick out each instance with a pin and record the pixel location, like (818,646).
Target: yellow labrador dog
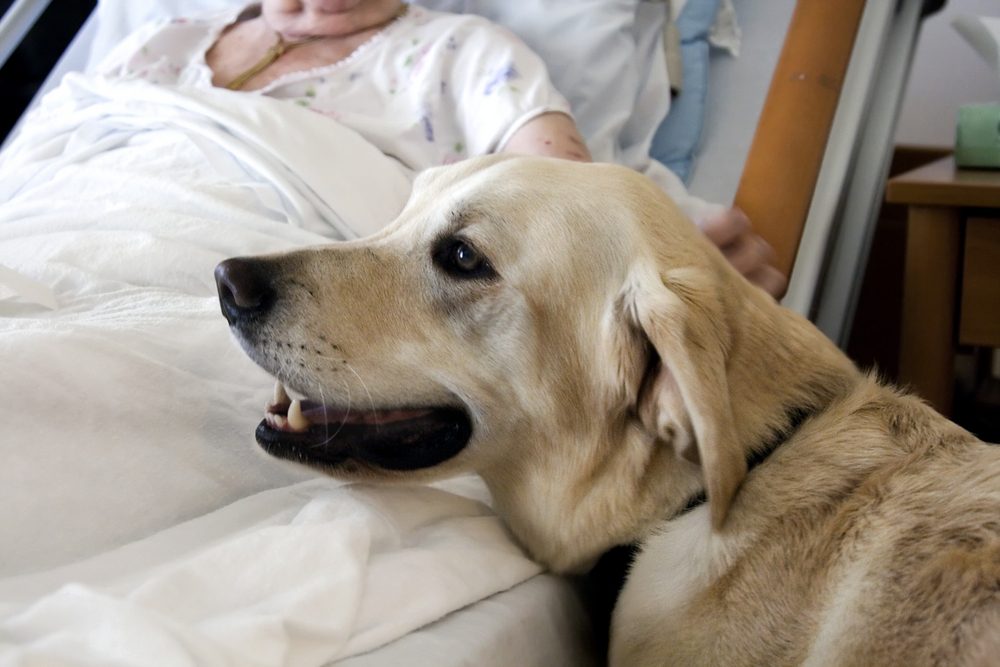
(562,330)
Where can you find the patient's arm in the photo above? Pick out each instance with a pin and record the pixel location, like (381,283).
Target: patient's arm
(551,134)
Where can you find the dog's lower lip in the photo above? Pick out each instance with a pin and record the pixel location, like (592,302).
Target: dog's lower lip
(422,438)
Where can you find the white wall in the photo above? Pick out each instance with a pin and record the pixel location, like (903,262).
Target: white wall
(946,74)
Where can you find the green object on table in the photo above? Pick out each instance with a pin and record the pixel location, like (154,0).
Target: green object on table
(977,138)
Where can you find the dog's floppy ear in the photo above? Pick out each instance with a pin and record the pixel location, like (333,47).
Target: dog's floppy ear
(686,395)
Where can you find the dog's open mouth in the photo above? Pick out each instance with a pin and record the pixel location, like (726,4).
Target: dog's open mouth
(311,432)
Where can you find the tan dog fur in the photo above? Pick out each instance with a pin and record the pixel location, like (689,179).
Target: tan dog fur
(617,366)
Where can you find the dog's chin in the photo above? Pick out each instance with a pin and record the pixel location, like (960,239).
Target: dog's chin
(334,439)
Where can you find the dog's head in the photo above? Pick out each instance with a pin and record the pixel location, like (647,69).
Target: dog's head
(559,328)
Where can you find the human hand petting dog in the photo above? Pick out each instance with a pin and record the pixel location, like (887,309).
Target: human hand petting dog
(750,254)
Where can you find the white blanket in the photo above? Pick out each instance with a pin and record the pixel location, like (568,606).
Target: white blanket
(297,576)
(131,413)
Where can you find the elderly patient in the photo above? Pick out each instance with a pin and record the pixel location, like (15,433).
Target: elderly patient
(427,88)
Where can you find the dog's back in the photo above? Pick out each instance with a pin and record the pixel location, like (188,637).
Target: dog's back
(872,537)
(917,581)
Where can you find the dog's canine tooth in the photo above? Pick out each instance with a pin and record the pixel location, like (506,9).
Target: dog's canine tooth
(296,420)
(280,395)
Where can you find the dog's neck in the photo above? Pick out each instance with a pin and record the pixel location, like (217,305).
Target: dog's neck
(765,403)
(756,456)
(636,482)
(769,407)
(603,583)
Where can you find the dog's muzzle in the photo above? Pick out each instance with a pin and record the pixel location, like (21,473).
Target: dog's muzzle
(327,436)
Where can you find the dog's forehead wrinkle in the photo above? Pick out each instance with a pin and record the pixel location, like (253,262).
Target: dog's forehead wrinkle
(462,214)
(480,225)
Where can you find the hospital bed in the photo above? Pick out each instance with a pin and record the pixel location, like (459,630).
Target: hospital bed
(796,130)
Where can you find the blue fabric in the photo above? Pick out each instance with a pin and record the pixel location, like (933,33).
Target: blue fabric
(676,139)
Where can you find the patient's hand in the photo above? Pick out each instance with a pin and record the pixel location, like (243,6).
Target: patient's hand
(745,250)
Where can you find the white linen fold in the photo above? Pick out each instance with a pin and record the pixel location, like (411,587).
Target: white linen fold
(296,576)
(332,181)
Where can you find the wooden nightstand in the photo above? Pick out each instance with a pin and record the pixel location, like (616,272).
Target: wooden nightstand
(951,284)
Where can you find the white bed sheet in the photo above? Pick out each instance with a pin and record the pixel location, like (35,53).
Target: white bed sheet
(538,623)
(294,576)
(131,530)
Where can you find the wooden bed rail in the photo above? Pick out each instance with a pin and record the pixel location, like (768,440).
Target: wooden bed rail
(784,161)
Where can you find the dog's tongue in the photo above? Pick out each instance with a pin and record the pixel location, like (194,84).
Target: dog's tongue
(318,413)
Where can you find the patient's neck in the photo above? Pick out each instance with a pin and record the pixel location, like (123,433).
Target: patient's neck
(348,20)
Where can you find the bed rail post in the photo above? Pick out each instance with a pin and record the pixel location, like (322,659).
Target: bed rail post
(784,161)
(16,23)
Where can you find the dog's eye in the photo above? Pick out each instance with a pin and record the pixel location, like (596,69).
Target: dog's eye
(460,259)
(466,258)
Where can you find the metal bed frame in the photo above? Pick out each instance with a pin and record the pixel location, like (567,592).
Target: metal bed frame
(851,184)
(14,26)
(16,23)
(814,178)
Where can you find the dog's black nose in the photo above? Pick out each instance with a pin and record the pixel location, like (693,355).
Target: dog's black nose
(244,288)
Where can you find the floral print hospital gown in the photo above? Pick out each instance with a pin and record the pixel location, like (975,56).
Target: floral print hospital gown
(429,89)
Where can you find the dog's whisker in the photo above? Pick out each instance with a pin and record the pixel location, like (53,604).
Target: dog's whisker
(364,386)
(328,437)
(347,385)
(322,402)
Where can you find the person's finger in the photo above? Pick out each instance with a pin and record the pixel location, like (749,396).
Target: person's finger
(724,228)
(770,279)
(748,253)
